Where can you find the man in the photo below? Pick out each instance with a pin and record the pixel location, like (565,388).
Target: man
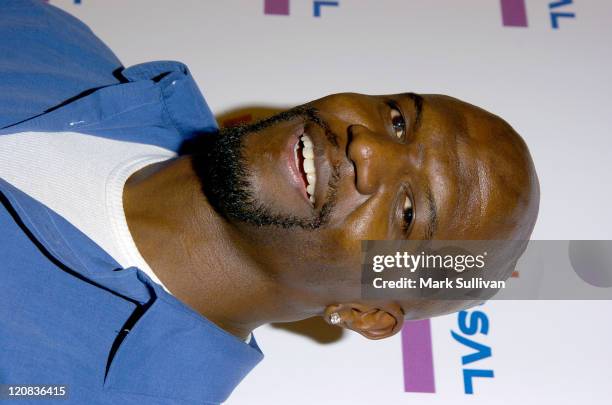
(141,247)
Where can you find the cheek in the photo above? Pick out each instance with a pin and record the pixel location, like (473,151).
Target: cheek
(324,249)
(369,221)
(336,248)
(333,249)
(333,261)
(319,261)
(339,246)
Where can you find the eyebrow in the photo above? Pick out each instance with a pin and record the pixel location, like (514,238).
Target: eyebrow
(418,106)
(432,217)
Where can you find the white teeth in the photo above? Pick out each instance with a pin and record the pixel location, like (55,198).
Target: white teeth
(308,153)
(308,166)
(307,141)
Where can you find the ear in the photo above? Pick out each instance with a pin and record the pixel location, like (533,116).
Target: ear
(372,321)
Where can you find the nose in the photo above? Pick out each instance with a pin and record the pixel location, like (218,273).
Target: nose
(374,157)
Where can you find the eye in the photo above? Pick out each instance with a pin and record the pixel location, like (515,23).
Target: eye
(398,122)
(408,213)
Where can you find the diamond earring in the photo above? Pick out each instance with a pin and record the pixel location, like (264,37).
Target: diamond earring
(335,318)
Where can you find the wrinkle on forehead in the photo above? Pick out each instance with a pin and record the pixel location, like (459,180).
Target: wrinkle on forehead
(473,178)
(483,186)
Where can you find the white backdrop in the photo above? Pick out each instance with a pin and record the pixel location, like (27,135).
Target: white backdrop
(552,85)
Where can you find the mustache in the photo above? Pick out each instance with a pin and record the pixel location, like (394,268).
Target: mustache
(233,134)
(305,112)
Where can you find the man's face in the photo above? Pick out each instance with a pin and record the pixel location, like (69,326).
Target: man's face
(307,186)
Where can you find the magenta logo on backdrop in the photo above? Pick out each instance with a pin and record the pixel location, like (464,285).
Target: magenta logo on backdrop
(417,355)
(276,7)
(514,13)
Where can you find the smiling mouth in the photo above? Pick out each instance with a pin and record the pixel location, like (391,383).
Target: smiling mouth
(304,161)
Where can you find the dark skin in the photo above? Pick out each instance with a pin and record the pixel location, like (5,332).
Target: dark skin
(466,172)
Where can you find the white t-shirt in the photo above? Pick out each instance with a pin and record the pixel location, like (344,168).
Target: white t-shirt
(81,177)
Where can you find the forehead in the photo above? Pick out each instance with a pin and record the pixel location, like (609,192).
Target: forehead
(477,169)
(491,166)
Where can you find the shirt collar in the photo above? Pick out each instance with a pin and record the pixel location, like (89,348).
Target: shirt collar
(158,103)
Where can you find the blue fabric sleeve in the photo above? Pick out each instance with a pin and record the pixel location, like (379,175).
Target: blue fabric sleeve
(47,57)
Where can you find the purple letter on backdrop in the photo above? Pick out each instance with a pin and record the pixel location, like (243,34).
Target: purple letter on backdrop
(277,7)
(514,13)
(418,357)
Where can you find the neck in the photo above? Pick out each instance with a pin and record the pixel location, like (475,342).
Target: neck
(197,254)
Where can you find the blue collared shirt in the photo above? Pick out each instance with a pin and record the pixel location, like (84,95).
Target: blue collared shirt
(69,313)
